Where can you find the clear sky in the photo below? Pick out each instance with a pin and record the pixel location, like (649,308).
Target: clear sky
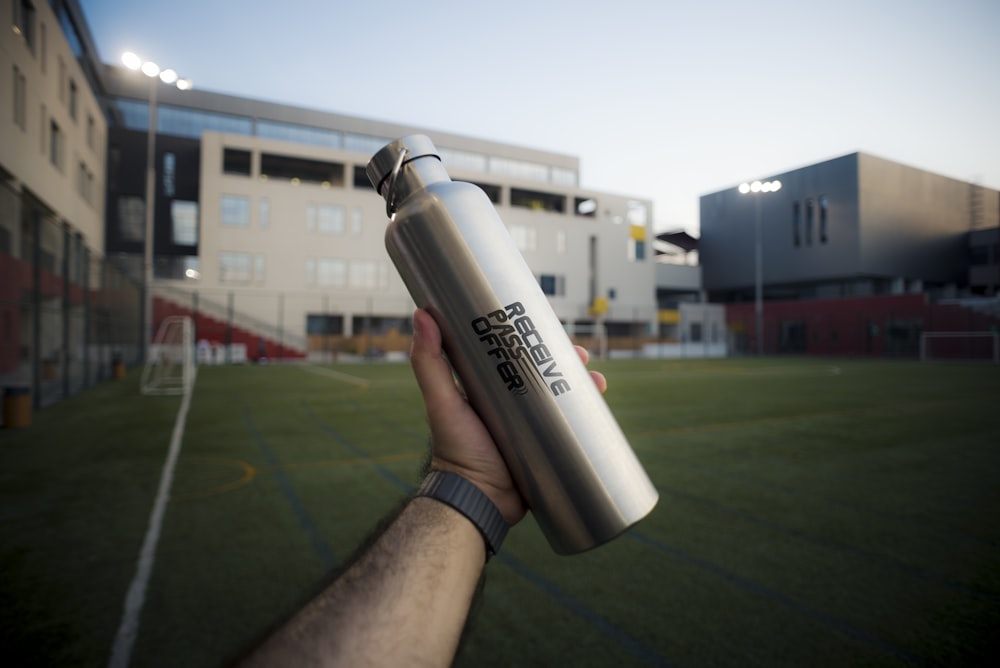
(659,99)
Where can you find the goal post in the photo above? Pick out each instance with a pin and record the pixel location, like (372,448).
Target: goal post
(980,345)
(170,366)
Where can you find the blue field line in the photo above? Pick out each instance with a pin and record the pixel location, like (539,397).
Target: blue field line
(805,536)
(774,596)
(320,546)
(606,628)
(944,532)
(347,444)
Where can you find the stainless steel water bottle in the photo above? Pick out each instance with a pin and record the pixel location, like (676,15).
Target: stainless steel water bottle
(567,454)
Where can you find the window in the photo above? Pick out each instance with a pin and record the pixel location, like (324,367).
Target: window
(636,250)
(809,221)
(169,173)
(519,169)
(91,133)
(55,144)
(563,177)
(367,274)
(24,22)
(234,267)
(235,162)
(525,238)
(73,95)
(20,100)
(796,224)
(331,272)
(585,206)
(301,170)
(265,212)
(258,268)
(537,201)
(560,242)
(364,143)
(131,218)
(455,159)
(361,180)
(84,182)
(184,222)
(319,325)
(822,219)
(357,218)
(236,210)
(44,48)
(330,219)
(310,271)
(301,134)
(552,285)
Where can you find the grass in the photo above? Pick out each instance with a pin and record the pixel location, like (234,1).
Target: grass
(812,512)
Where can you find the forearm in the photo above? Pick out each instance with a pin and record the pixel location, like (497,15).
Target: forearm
(404,602)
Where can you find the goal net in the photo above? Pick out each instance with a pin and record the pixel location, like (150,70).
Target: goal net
(983,346)
(170,366)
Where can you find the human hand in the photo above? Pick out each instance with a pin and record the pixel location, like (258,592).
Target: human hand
(460,441)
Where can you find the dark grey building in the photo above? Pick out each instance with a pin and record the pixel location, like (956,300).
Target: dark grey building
(853,226)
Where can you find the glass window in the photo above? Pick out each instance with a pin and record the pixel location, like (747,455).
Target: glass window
(169,174)
(55,144)
(525,238)
(367,274)
(330,219)
(462,160)
(20,100)
(91,133)
(310,271)
(73,96)
(637,214)
(235,162)
(301,170)
(563,177)
(537,201)
(234,267)
(301,134)
(184,222)
(131,218)
(364,143)
(552,285)
(320,324)
(182,122)
(235,210)
(822,219)
(331,272)
(809,222)
(636,250)
(357,216)
(519,169)
(24,22)
(258,268)
(560,242)
(796,224)
(585,206)
(265,212)
(361,180)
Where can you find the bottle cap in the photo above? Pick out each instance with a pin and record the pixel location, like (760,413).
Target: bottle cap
(387,160)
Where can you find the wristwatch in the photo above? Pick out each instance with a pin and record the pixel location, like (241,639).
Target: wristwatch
(457,492)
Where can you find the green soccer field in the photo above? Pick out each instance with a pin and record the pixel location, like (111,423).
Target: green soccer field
(812,512)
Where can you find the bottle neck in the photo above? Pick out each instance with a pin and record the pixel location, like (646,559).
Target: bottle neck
(413,176)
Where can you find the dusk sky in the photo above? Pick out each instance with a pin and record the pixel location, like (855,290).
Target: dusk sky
(661,100)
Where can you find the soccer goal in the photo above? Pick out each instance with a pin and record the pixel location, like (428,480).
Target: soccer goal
(170,366)
(983,346)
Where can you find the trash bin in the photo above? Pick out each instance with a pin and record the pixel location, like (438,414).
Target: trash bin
(16,407)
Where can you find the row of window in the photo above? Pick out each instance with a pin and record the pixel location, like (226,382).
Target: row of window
(132,221)
(191,123)
(347,273)
(322,218)
(805,216)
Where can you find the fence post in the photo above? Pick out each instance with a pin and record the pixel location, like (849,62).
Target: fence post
(281,324)
(65,311)
(36,334)
(229,326)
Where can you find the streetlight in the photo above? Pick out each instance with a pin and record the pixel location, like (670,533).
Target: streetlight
(758,188)
(167,76)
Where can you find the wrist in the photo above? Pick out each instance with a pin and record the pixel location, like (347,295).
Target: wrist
(464,496)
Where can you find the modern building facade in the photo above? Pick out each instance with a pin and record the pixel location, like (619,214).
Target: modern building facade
(853,226)
(264,210)
(857,255)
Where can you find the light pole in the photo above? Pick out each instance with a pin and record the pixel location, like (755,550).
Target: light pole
(168,76)
(758,188)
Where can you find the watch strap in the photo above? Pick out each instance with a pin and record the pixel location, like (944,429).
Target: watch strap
(454,490)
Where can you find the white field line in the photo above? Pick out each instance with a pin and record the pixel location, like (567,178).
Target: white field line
(336,375)
(128,630)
